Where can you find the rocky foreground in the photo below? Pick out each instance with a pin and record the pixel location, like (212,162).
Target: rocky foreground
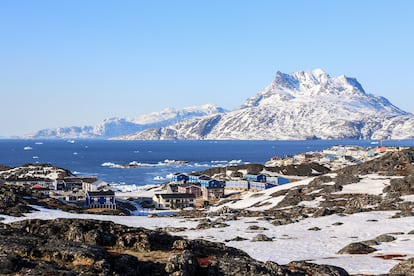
(87,247)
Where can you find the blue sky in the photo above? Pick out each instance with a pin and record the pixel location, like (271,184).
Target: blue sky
(77,62)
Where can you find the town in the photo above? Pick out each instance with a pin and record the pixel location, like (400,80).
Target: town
(185,190)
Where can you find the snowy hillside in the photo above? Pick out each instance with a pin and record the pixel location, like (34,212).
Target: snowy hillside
(121,126)
(301,105)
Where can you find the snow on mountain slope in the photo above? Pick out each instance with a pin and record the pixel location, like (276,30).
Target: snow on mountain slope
(301,105)
(121,126)
(172,115)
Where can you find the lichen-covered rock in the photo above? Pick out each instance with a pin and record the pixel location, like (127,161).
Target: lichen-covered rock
(385,238)
(404,186)
(261,237)
(318,270)
(405,268)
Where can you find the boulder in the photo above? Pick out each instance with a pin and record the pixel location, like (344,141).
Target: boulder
(357,248)
(402,186)
(256,228)
(405,268)
(318,270)
(385,238)
(261,237)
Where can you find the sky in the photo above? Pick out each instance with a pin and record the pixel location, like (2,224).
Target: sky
(74,63)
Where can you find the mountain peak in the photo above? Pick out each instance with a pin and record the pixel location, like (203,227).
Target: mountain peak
(310,83)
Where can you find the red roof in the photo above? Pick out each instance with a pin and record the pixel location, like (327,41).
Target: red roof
(37,186)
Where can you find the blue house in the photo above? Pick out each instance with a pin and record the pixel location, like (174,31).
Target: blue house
(255,177)
(195,177)
(180,178)
(100,199)
(207,181)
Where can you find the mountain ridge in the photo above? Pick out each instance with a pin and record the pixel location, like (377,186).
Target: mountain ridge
(296,106)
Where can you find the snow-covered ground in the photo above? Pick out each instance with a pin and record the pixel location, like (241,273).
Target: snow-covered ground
(289,242)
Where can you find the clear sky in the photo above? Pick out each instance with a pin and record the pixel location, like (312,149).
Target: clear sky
(77,62)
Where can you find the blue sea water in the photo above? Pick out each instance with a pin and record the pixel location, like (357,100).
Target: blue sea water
(86,157)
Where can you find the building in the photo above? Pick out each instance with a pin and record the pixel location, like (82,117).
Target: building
(100,199)
(212,192)
(195,177)
(194,189)
(74,183)
(255,177)
(206,181)
(173,201)
(179,178)
(279,180)
(260,186)
(239,184)
(39,189)
(91,185)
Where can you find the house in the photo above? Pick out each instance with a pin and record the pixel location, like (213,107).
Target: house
(207,181)
(194,189)
(173,201)
(255,177)
(100,199)
(260,186)
(212,192)
(74,183)
(39,189)
(179,178)
(241,184)
(195,177)
(91,185)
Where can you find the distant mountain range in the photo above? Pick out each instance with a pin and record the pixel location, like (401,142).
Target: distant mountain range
(115,127)
(300,105)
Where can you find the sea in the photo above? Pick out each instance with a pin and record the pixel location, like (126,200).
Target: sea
(155,161)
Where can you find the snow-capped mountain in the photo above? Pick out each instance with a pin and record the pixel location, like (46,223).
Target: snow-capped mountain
(121,126)
(301,105)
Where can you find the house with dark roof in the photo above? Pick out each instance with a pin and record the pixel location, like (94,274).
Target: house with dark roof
(260,177)
(173,201)
(195,177)
(179,178)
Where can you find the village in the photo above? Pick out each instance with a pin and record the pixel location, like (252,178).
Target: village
(183,190)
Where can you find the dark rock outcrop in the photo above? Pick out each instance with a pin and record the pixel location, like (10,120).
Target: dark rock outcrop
(357,248)
(392,163)
(87,247)
(404,186)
